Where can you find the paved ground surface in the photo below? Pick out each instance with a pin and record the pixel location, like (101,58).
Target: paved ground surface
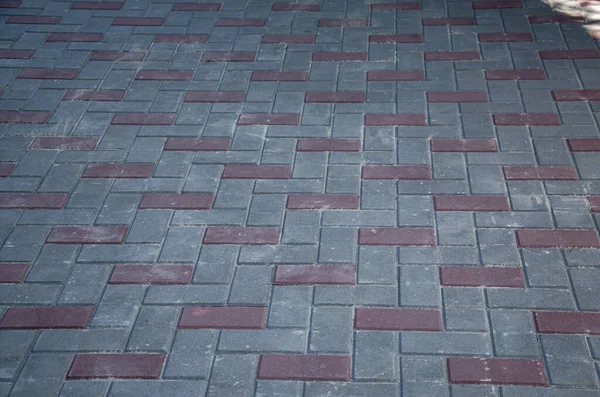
(328,199)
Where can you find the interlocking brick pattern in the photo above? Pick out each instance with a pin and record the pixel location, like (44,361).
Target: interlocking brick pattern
(340,198)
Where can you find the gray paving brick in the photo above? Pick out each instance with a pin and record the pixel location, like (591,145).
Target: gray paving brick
(278,254)
(85,285)
(377,265)
(251,285)
(149,226)
(233,374)
(376,356)
(185,294)
(14,348)
(153,329)
(84,340)
(267,340)
(150,388)
(419,286)
(338,245)
(584,284)
(290,306)
(538,298)
(350,389)
(119,306)
(368,295)
(498,247)
(192,354)
(182,244)
(278,388)
(446,343)
(545,268)
(569,361)
(439,255)
(89,388)
(331,330)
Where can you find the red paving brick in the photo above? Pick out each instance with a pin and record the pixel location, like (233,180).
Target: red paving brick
(396,38)
(569,54)
(471,203)
(197,317)
(48,74)
(558,238)
(150,274)
(11,273)
(128,21)
(452,56)
(13,117)
(576,95)
(457,21)
(6,169)
(328,145)
(397,319)
(395,6)
(278,76)
(33,200)
(94,5)
(47,317)
(315,275)
(544,19)
(239,22)
(335,97)
(594,203)
(305,367)
(241,235)
(550,322)
(65,143)
(492,5)
(584,144)
(33,20)
(396,237)
(496,371)
(528,74)
(119,366)
(16,54)
(504,37)
(181,38)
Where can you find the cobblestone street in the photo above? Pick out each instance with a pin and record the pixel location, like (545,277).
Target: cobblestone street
(340,198)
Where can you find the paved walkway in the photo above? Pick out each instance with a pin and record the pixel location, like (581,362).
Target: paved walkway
(335,199)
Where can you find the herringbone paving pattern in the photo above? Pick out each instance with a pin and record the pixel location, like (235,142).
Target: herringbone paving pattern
(317,199)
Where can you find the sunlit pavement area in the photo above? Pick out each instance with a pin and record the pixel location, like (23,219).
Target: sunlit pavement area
(318,199)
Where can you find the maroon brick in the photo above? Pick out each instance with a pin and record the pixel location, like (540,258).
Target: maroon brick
(464,96)
(87,235)
(198,144)
(315,275)
(496,371)
(144,119)
(167,75)
(539,119)
(567,322)
(196,7)
(74,37)
(594,203)
(452,56)
(212,96)
(328,145)
(12,117)
(395,6)
(117,56)
(304,367)
(526,74)
(6,169)
(242,235)
(241,171)
(33,200)
(65,143)
(47,317)
(492,5)
(576,95)
(228,57)
(322,201)
(130,21)
(288,38)
(181,38)
(197,317)
(185,201)
(48,74)
(463,21)
(406,119)
(395,38)
(10,4)
(295,7)
(504,37)
(396,172)
(557,238)
(90,95)
(584,144)
(338,56)
(396,236)
(240,22)
(335,97)
(540,173)
(397,319)
(396,75)
(344,23)
(467,276)
(464,145)
(94,5)
(118,171)
(33,20)
(570,54)
(11,273)
(471,203)
(119,366)
(278,76)
(16,54)
(151,274)
(269,119)
(543,19)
